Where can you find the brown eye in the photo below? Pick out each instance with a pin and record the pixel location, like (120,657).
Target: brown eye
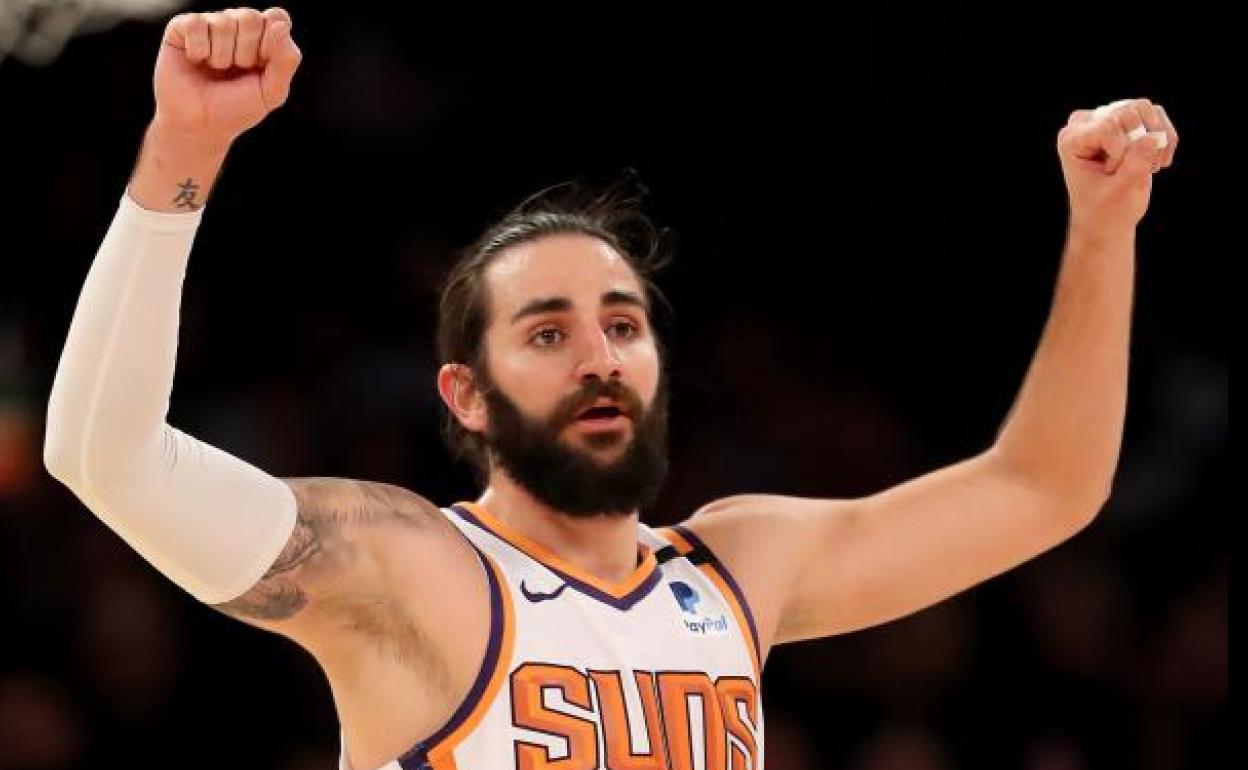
(625,329)
(547,337)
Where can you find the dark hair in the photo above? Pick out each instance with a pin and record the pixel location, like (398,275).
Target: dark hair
(612,213)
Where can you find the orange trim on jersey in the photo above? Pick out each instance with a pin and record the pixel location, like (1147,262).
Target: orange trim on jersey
(739,613)
(446,762)
(684,547)
(441,757)
(547,557)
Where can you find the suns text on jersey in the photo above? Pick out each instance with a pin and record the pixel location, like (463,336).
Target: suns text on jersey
(682,715)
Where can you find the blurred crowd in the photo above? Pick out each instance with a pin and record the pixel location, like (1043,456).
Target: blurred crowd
(836,332)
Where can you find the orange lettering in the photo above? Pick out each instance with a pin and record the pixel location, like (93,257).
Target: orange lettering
(728,740)
(615,722)
(527,685)
(675,689)
(732,691)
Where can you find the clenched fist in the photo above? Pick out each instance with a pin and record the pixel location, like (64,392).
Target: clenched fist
(219,74)
(1109,156)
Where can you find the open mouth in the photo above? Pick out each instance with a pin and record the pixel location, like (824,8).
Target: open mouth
(601,415)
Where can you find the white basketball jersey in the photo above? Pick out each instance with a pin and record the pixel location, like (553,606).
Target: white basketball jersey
(659,672)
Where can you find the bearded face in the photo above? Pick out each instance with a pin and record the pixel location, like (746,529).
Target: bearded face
(621,467)
(568,396)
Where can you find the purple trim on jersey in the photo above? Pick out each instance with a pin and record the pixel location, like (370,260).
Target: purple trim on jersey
(623,603)
(417,757)
(719,567)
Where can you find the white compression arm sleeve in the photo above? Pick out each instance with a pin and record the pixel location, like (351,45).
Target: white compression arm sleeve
(210,522)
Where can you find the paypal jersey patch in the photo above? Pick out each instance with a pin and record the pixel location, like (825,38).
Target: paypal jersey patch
(700,617)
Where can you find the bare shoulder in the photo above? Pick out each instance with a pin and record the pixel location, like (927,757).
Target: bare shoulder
(762,539)
(740,521)
(750,531)
(386,594)
(347,533)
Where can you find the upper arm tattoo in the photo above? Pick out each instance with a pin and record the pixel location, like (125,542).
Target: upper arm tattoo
(333,514)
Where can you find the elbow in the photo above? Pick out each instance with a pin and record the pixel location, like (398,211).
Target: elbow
(1087,512)
(65,446)
(58,446)
(60,439)
(64,449)
(60,455)
(1088,500)
(68,459)
(80,458)
(1075,489)
(1079,496)
(1080,507)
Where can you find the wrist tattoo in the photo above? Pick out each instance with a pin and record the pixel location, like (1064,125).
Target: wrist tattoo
(186,195)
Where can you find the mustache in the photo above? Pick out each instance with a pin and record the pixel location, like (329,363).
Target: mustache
(570,406)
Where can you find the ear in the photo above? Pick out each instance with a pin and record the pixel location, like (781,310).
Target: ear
(459,392)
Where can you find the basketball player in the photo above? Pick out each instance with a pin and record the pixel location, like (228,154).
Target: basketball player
(543,625)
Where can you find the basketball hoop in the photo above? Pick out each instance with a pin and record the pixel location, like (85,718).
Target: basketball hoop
(35,31)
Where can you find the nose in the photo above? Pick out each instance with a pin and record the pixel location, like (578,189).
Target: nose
(599,358)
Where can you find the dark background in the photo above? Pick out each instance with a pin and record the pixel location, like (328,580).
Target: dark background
(870,212)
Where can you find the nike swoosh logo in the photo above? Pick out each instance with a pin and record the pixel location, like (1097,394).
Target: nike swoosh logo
(536,597)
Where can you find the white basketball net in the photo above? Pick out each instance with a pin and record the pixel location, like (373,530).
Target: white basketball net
(35,31)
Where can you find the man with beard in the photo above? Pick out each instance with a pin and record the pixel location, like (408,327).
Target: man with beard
(543,625)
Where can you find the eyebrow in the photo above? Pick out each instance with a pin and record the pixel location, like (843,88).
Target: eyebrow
(560,304)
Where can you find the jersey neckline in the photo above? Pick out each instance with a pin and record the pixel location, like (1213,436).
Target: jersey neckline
(622,595)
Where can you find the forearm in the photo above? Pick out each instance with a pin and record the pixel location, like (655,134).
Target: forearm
(115,374)
(116,371)
(1064,432)
(207,520)
(175,170)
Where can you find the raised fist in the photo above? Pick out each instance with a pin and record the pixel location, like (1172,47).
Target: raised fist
(1109,156)
(219,74)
